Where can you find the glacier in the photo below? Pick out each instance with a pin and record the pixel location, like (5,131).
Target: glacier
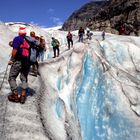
(91,92)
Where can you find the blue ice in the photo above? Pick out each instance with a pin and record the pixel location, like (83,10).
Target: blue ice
(97,105)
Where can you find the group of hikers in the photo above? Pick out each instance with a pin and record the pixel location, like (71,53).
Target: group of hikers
(81,32)
(89,34)
(27,51)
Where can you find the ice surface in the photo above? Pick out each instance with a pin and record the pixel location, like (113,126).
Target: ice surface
(91,92)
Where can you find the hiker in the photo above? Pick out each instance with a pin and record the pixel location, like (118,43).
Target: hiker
(34,52)
(103,35)
(69,40)
(55,43)
(122,30)
(81,33)
(89,34)
(19,65)
(42,49)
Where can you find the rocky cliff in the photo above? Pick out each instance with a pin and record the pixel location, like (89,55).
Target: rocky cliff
(114,16)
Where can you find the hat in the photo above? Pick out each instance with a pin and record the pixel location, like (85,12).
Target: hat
(22,31)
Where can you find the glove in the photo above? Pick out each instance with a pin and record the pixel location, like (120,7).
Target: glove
(10,62)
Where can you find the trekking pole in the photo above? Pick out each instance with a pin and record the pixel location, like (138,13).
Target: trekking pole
(4,77)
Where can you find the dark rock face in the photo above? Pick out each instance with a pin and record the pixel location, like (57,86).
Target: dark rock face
(114,16)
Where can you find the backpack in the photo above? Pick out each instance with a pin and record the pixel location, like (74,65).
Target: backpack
(57,42)
(28,52)
(25,48)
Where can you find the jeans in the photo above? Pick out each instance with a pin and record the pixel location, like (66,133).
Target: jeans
(41,56)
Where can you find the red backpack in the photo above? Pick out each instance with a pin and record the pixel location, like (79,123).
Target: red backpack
(25,48)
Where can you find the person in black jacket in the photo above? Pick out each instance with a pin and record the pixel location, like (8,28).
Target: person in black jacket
(81,33)
(69,40)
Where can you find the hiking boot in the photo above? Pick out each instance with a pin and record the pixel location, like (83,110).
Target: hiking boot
(23,96)
(34,74)
(22,99)
(14,97)
(38,73)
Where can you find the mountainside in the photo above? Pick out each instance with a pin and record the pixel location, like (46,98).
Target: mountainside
(114,16)
(90,92)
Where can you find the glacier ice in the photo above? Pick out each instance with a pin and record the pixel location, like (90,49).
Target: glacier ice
(91,92)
